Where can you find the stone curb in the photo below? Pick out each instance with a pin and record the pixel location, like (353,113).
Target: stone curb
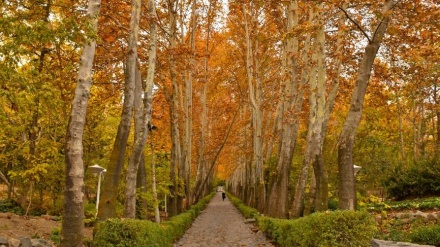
(23,242)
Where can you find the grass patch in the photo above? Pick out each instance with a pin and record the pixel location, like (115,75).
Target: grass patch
(431,203)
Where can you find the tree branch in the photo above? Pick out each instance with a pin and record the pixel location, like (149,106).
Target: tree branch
(355,23)
(387,8)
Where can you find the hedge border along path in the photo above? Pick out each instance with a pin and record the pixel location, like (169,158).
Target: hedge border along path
(142,233)
(221,225)
(324,229)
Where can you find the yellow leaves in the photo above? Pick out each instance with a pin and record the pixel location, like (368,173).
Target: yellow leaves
(35,174)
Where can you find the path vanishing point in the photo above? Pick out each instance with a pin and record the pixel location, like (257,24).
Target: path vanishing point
(222,225)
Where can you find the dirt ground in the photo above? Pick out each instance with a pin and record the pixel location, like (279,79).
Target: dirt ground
(16,226)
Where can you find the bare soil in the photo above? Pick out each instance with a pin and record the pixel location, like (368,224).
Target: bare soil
(16,226)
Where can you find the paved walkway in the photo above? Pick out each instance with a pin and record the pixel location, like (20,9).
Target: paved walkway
(222,225)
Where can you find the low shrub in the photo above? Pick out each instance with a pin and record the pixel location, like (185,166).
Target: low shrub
(419,180)
(247,211)
(55,236)
(133,232)
(11,206)
(426,235)
(130,232)
(336,229)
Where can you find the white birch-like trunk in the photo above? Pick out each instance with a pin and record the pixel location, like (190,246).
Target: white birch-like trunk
(154,187)
(176,150)
(201,164)
(254,84)
(130,191)
(73,214)
(130,187)
(188,110)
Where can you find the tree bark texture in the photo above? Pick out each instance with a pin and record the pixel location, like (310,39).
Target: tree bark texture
(318,96)
(292,96)
(141,180)
(188,110)
(176,155)
(346,187)
(131,71)
(254,83)
(107,209)
(73,214)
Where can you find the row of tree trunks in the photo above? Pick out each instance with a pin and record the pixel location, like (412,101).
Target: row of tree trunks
(322,95)
(145,116)
(290,92)
(107,208)
(202,162)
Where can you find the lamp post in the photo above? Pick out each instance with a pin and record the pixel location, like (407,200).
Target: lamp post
(356,169)
(98,170)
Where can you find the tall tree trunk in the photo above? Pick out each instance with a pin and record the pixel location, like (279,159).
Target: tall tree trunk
(141,180)
(130,189)
(402,143)
(135,158)
(154,187)
(73,213)
(140,140)
(202,163)
(188,110)
(437,123)
(318,96)
(254,84)
(347,188)
(277,200)
(152,54)
(107,209)
(176,154)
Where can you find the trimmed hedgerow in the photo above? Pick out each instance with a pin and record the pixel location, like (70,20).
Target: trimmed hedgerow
(247,211)
(426,235)
(140,233)
(130,232)
(336,229)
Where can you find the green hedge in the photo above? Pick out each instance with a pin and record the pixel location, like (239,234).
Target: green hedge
(247,211)
(336,229)
(426,235)
(130,232)
(419,180)
(339,228)
(140,233)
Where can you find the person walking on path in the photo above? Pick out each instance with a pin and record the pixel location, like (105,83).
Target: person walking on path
(223,195)
(221,225)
